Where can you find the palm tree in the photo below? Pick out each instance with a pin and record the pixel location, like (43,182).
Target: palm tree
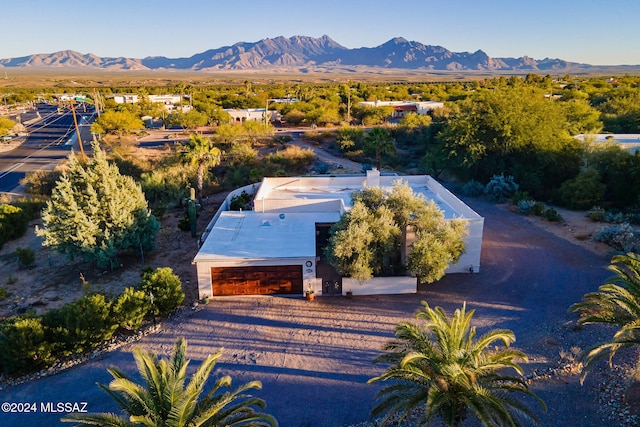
(617,302)
(380,140)
(444,368)
(164,401)
(201,152)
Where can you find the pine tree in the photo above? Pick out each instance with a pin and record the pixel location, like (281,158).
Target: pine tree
(97,213)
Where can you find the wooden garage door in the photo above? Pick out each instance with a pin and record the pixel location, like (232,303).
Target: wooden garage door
(278,279)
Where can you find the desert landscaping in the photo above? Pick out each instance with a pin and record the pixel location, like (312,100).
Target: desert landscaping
(314,358)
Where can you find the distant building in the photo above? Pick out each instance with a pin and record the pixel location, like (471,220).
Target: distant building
(251,114)
(161,99)
(627,141)
(402,108)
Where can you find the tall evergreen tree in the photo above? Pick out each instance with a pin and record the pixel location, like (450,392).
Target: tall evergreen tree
(97,213)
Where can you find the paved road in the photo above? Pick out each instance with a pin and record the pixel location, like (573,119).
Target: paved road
(50,140)
(314,357)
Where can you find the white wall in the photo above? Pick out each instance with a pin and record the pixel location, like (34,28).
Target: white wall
(381,286)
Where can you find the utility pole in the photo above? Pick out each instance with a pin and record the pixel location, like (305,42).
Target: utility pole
(75,122)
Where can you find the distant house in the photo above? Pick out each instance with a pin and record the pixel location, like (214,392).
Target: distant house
(168,101)
(402,108)
(627,141)
(126,99)
(251,114)
(277,248)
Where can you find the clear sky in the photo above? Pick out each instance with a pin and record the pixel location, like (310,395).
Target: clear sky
(597,32)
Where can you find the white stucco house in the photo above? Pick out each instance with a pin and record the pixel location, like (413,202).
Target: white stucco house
(276,248)
(251,114)
(402,108)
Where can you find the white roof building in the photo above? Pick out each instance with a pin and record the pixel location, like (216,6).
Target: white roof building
(277,247)
(402,108)
(626,141)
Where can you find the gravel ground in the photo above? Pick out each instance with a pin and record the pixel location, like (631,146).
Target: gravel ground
(314,357)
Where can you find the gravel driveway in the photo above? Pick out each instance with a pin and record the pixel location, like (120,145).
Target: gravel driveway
(314,357)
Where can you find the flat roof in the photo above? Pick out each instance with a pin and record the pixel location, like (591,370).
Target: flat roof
(288,208)
(342,187)
(255,235)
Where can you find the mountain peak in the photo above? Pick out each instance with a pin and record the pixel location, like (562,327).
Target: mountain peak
(301,53)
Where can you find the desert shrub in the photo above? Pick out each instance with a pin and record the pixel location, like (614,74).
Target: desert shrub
(26,256)
(166,288)
(81,325)
(500,188)
(241,201)
(293,158)
(583,191)
(525,206)
(14,222)
(622,237)
(519,196)
(550,214)
(313,135)
(31,205)
(472,188)
(3,293)
(41,182)
(241,153)
(282,139)
(538,209)
(596,214)
(24,346)
(321,167)
(130,308)
(164,187)
(614,217)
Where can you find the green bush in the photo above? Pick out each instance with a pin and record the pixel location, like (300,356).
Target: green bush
(165,287)
(596,214)
(500,188)
(41,182)
(14,222)
(24,346)
(130,308)
(622,237)
(472,188)
(241,201)
(26,256)
(81,325)
(538,209)
(583,191)
(525,207)
(519,196)
(550,214)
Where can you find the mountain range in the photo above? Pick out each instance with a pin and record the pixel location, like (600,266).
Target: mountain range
(303,53)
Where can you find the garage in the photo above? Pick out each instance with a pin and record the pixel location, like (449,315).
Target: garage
(256,280)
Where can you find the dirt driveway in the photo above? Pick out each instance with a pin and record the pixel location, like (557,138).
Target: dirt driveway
(314,358)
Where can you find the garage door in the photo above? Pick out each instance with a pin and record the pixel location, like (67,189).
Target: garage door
(279,279)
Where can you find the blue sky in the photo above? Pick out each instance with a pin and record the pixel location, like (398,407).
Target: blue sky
(598,32)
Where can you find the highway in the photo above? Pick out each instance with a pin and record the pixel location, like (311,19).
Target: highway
(51,138)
